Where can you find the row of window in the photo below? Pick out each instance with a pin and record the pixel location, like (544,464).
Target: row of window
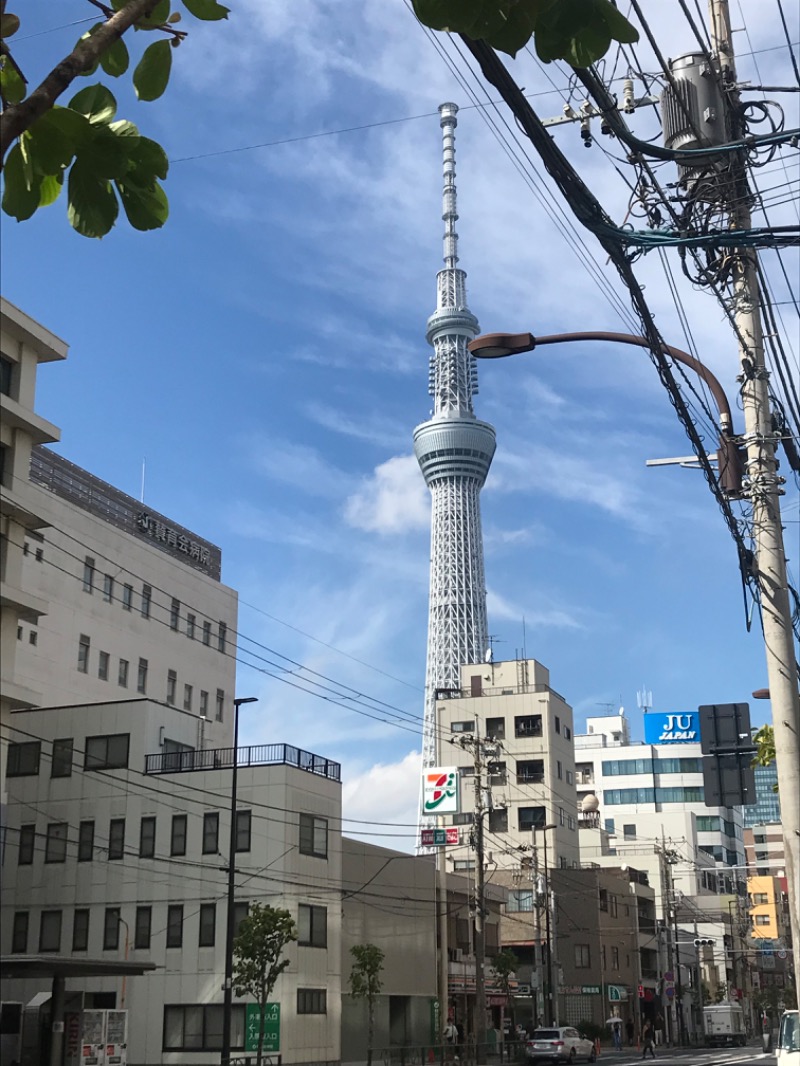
(313,839)
(125,597)
(123,675)
(528,818)
(102,752)
(528,772)
(710,823)
(622,767)
(198,1027)
(687,794)
(525,725)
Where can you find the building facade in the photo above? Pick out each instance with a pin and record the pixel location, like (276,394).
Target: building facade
(767,808)
(115,850)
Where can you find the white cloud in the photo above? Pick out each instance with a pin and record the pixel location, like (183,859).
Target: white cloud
(300,466)
(393,500)
(364,426)
(543,615)
(388,792)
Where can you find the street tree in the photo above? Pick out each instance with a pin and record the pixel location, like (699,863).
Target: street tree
(103,160)
(504,966)
(365,983)
(257,957)
(578,31)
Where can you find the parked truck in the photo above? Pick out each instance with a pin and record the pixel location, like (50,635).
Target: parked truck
(723,1025)
(788,1049)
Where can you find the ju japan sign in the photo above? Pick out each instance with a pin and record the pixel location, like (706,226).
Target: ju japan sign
(431,838)
(681,728)
(440,792)
(272,1027)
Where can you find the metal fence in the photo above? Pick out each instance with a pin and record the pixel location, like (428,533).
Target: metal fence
(176,762)
(447,1054)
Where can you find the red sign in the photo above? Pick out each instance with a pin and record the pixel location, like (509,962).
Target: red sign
(430,838)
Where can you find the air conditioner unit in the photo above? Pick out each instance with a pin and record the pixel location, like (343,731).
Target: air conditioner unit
(499,799)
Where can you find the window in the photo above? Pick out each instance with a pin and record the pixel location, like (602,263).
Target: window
(27,840)
(141,677)
(463,818)
(88,574)
(243,824)
(86,842)
(561,816)
(83,653)
(55,848)
(567,733)
(629,831)
(19,935)
(175,925)
(108,588)
(558,724)
(191,624)
(102,665)
(497,773)
(107,752)
(582,957)
(203,703)
(559,770)
(603,904)
(207,633)
(172,684)
(222,637)
(142,929)
(210,833)
(50,931)
(311,1001)
(519,900)
(116,838)
(208,925)
(313,836)
(23,759)
(220,704)
(111,929)
(187,697)
(33,637)
(6,375)
(177,840)
(530,771)
(462,727)
(147,599)
(614,958)
(496,728)
(127,597)
(759,898)
(198,1027)
(763,919)
(147,837)
(570,777)
(614,906)
(80,930)
(312,926)
(609,824)
(498,820)
(240,912)
(528,725)
(175,614)
(61,765)
(122,673)
(528,817)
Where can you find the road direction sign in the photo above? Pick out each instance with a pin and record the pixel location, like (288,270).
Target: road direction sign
(272,1027)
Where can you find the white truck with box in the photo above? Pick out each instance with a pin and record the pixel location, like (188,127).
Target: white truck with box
(723,1025)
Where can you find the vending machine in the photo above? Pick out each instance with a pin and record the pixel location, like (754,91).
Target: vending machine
(96,1038)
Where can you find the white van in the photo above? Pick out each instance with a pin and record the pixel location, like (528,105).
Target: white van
(788,1048)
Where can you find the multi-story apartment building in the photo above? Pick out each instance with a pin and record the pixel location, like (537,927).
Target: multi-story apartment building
(768,910)
(763,845)
(24,344)
(531,781)
(115,851)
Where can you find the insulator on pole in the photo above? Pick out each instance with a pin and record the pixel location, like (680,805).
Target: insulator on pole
(627,96)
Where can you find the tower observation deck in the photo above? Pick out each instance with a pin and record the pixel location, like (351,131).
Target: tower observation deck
(454,450)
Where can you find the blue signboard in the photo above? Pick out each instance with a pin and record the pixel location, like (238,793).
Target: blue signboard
(682,728)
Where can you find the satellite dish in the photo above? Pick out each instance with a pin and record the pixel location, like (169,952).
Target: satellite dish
(489,655)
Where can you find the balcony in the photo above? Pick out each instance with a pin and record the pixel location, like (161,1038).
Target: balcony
(177,762)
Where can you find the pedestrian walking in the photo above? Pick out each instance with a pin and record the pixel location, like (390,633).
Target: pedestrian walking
(616,1032)
(647,1040)
(658,1029)
(630,1030)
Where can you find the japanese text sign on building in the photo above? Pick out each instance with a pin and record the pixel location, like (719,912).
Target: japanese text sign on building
(272,1027)
(440,791)
(437,837)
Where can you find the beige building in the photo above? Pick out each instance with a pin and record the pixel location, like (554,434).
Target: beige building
(115,851)
(24,344)
(531,779)
(763,845)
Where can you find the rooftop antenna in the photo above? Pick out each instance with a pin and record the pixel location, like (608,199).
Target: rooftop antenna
(144,467)
(524,640)
(644,700)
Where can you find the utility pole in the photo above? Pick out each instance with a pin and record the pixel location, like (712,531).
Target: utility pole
(764,490)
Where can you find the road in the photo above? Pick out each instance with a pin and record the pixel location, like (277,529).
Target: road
(743,1056)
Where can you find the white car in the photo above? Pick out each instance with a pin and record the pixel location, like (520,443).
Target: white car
(559,1045)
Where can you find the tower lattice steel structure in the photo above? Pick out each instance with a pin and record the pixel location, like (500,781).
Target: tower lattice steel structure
(454,450)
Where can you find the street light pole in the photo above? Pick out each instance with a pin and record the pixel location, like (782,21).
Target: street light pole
(550,1012)
(227,1009)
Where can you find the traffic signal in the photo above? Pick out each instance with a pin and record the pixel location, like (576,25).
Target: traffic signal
(703,941)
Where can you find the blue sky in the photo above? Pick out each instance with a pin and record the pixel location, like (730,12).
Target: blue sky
(265,353)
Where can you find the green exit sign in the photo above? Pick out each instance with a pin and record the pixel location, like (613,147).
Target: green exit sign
(272,1027)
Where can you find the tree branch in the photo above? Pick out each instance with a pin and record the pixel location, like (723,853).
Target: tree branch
(19,117)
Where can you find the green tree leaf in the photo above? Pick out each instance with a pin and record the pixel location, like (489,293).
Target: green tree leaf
(96,102)
(12,87)
(157,17)
(146,207)
(50,189)
(207,10)
(107,155)
(9,24)
(55,138)
(621,30)
(20,197)
(93,205)
(149,157)
(152,71)
(115,59)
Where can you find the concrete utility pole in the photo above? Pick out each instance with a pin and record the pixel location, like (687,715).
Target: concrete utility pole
(764,492)
(480,902)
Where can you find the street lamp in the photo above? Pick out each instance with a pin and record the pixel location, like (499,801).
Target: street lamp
(227,1009)
(500,345)
(550,1001)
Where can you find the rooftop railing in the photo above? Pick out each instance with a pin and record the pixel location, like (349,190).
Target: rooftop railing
(176,762)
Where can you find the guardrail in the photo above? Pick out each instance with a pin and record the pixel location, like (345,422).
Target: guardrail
(177,762)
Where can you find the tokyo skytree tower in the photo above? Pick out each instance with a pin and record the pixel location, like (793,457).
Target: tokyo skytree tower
(454,450)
